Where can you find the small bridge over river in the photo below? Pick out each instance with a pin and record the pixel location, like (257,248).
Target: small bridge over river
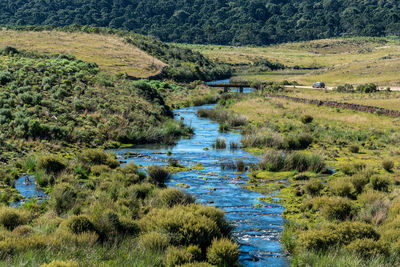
(227,86)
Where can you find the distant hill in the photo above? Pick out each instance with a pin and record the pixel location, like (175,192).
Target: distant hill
(117,51)
(216,21)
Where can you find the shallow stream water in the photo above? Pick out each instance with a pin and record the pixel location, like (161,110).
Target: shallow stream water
(257,225)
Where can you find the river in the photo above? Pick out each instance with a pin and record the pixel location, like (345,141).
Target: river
(257,225)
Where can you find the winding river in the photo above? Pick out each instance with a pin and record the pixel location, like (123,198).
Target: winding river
(257,224)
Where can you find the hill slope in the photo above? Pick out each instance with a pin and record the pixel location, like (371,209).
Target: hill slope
(110,52)
(216,21)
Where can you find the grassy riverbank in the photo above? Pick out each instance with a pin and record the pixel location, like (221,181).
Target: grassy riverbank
(337,174)
(100,213)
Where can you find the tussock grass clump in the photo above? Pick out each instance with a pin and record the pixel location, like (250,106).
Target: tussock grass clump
(368,248)
(380,183)
(154,241)
(177,256)
(220,143)
(314,187)
(11,218)
(388,165)
(157,175)
(335,208)
(51,164)
(341,187)
(307,119)
(80,224)
(223,252)
(226,117)
(172,196)
(329,235)
(98,157)
(280,161)
(354,149)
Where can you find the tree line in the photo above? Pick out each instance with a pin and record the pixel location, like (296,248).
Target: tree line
(239,22)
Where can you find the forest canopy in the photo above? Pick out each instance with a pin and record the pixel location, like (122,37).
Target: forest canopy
(239,22)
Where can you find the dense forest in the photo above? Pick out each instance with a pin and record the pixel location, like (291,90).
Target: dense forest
(216,21)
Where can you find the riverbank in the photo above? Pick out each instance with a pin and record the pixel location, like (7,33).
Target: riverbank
(302,143)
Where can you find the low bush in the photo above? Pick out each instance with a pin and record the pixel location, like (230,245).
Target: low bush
(341,187)
(307,119)
(142,190)
(63,197)
(388,165)
(367,88)
(359,181)
(223,252)
(380,183)
(177,256)
(154,241)
(368,248)
(157,175)
(354,149)
(51,164)
(98,157)
(11,218)
(314,186)
(330,235)
(335,208)
(172,196)
(80,224)
(345,88)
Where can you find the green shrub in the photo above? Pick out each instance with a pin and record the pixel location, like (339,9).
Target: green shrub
(11,218)
(314,186)
(195,251)
(368,248)
(388,165)
(157,175)
(177,256)
(51,164)
(307,119)
(354,149)
(380,183)
(367,88)
(331,235)
(98,157)
(23,230)
(9,50)
(154,241)
(172,196)
(359,181)
(97,170)
(341,187)
(57,263)
(80,224)
(336,208)
(142,190)
(63,197)
(223,252)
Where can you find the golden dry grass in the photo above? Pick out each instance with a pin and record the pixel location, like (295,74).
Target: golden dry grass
(110,52)
(355,60)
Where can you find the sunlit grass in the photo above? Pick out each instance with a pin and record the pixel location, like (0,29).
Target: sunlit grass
(111,53)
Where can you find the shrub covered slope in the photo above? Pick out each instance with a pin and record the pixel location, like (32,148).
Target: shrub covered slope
(53,101)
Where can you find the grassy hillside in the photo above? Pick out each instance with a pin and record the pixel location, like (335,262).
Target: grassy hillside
(183,64)
(109,52)
(237,22)
(55,101)
(334,61)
